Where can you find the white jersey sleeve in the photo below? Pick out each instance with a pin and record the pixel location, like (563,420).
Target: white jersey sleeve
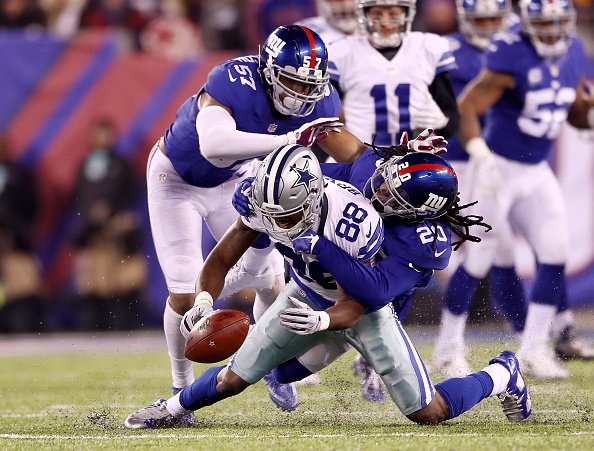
(381,97)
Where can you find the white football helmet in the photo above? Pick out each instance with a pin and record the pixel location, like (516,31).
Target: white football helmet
(341,14)
(370,25)
(471,14)
(288,181)
(548,23)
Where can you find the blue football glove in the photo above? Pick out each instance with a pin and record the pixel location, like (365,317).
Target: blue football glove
(240,200)
(305,243)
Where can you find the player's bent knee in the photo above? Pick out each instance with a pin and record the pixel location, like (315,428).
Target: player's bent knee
(181,303)
(230,384)
(181,271)
(436,412)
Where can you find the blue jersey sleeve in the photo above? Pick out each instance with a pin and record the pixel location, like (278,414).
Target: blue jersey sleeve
(375,286)
(337,171)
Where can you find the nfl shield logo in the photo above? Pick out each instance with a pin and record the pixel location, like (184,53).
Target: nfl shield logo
(272,128)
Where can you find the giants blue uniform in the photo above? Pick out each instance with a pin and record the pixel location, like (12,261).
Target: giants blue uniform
(408,256)
(523,123)
(237,85)
(469,61)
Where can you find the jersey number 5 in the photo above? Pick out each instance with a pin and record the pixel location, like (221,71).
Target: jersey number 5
(379,93)
(544,111)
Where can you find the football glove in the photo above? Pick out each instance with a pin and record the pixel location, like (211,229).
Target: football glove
(305,243)
(202,307)
(484,166)
(302,319)
(315,131)
(427,141)
(240,200)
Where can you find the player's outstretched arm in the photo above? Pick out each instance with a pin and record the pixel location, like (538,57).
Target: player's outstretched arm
(225,254)
(344,147)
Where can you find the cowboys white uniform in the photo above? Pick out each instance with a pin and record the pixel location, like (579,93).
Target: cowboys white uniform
(382,98)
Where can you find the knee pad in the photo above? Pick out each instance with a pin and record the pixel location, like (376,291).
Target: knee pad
(181,273)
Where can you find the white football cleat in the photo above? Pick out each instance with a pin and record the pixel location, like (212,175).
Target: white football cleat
(151,417)
(541,363)
(240,278)
(312,379)
(450,360)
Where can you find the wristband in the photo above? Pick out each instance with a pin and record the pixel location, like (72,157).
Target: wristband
(203,297)
(324,320)
(477,147)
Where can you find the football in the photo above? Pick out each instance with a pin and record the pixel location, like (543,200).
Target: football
(217,336)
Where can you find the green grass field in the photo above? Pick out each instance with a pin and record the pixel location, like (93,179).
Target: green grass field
(80,402)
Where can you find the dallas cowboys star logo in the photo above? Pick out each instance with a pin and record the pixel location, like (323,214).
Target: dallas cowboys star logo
(305,177)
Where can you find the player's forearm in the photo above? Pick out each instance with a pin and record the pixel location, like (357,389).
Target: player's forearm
(220,139)
(344,147)
(345,314)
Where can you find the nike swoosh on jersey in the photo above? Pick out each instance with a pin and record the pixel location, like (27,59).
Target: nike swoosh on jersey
(439,254)
(231,77)
(411,266)
(368,235)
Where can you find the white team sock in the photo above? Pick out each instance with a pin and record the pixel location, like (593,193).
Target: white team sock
(451,330)
(182,369)
(500,377)
(265,297)
(538,325)
(175,408)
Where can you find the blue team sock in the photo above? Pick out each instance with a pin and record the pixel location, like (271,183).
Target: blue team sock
(290,371)
(460,291)
(203,391)
(507,294)
(463,393)
(549,285)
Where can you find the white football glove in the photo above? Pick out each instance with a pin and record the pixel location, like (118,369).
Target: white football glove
(202,307)
(485,169)
(312,132)
(427,141)
(302,319)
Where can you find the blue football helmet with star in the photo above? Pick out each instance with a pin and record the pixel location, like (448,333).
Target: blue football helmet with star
(288,181)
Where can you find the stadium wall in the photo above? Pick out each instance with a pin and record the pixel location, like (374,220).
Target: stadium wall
(52,90)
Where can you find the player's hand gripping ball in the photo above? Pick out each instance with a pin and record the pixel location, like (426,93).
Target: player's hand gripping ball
(217,336)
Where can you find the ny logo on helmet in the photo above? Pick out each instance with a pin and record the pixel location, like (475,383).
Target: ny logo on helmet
(433,203)
(274,46)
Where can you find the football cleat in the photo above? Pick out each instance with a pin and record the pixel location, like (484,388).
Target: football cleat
(187,420)
(283,395)
(240,278)
(542,364)
(570,346)
(515,400)
(153,416)
(450,360)
(371,383)
(312,379)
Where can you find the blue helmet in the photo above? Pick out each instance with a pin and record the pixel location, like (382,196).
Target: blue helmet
(417,186)
(548,23)
(473,31)
(294,66)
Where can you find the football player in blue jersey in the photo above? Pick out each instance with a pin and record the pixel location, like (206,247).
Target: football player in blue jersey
(383,94)
(479,21)
(248,107)
(532,82)
(313,311)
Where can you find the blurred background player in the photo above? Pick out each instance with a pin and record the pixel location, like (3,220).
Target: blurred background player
(248,107)
(392,80)
(531,83)
(335,20)
(314,311)
(478,21)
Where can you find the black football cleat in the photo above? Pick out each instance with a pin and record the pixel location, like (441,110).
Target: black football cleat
(571,346)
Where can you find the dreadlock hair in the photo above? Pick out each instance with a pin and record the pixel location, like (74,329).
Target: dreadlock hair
(459,224)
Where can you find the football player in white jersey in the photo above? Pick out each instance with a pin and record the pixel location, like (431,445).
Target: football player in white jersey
(532,82)
(335,20)
(392,80)
(289,195)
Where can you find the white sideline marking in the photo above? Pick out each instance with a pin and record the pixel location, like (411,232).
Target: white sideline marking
(273,436)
